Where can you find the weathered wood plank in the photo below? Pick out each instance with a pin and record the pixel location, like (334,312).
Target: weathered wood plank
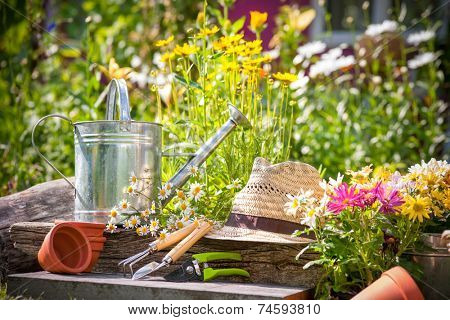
(44,202)
(101,286)
(266,262)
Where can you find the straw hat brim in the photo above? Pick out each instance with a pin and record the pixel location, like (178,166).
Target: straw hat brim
(250,235)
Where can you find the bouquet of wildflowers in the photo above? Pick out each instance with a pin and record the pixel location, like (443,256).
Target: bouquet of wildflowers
(190,203)
(364,225)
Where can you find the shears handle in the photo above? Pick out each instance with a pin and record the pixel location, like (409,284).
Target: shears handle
(211,274)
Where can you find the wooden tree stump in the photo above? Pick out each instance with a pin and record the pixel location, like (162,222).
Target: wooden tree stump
(44,202)
(266,262)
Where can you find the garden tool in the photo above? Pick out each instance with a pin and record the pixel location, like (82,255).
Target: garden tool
(174,254)
(192,271)
(158,245)
(108,151)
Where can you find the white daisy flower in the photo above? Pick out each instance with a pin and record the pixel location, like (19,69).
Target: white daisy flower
(163,194)
(114,213)
(309,219)
(133,178)
(111,227)
(181,195)
(134,221)
(332,54)
(301,201)
(163,234)
(143,230)
(191,212)
(127,225)
(179,224)
(328,66)
(131,189)
(193,170)
(183,206)
(421,36)
(196,191)
(124,204)
(145,214)
(377,29)
(308,50)
(421,60)
(154,225)
(235,184)
(168,186)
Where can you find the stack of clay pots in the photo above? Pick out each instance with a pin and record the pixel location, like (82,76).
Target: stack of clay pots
(72,247)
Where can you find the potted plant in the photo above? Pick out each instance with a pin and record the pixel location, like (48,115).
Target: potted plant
(367,219)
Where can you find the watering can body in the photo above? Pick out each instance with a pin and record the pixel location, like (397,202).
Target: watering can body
(108,152)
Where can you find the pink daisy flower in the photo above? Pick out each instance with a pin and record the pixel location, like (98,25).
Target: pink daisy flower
(390,202)
(344,198)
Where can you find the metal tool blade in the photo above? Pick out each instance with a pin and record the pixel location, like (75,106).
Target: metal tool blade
(147,269)
(186,272)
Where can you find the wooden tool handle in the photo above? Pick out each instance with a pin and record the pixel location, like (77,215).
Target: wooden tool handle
(190,240)
(176,236)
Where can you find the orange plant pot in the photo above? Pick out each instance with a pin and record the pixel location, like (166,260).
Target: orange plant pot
(394,284)
(97,244)
(65,249)
(89,229)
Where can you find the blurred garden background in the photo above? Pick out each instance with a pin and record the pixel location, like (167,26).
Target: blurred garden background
(371,78)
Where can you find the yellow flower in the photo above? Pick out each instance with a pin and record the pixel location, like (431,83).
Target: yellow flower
(207,32)
(361,176)
(446,201)
(186,49)
(285,77)
(238,49)
(230,66)
(227,41)
(382,173)
(416,208)
(162,43)
(301,20)
(437,195)
(167,56)
(114,71)
(257,20)
(257,61)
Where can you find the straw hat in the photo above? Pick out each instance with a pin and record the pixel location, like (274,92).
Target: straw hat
(258,210)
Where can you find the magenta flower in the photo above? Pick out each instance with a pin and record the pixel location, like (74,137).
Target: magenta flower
(344,198)
(390,202)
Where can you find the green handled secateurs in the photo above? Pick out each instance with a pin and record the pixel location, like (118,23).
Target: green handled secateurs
(198,269)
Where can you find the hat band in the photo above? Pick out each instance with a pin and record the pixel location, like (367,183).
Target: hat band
(262,223)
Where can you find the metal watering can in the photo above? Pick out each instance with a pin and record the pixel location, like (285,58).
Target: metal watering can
(108,151)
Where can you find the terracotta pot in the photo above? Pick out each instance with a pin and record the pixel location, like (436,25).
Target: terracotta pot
(97,247)
(394,284)
(65,249)
(89,229)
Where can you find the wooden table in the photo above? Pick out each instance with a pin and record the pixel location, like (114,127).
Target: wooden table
(92,286)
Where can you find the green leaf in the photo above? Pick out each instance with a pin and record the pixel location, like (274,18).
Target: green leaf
(238,24)
(191,83)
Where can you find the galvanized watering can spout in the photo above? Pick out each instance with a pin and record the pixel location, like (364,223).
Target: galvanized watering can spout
(182,176)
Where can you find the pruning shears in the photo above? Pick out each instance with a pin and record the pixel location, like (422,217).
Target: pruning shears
(198,269)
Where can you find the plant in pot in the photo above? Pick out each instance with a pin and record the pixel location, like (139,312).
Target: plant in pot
(367,219)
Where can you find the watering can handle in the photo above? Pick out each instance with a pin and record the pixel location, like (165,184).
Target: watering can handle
(118,86)
(37,149)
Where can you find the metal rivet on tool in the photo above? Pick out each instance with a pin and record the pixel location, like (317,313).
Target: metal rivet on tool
(190,270)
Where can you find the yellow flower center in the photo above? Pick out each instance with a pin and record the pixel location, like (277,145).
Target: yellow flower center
(418,207)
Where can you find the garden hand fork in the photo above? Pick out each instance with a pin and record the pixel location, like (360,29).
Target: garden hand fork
(158,245)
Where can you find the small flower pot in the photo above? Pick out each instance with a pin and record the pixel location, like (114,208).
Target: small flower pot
(394,284)
(65,249)
(97,244)
(89,229)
